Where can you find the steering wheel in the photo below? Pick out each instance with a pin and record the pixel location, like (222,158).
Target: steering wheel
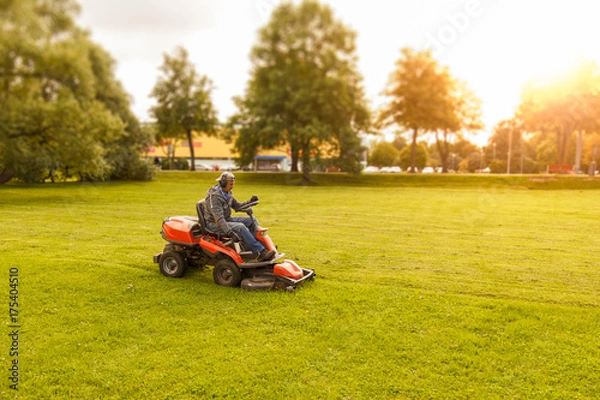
(247,208)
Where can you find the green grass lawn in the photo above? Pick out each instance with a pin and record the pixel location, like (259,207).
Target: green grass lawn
(432,287)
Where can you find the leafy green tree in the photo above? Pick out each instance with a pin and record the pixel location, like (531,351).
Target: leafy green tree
(433,156)
(413,160)
(384,154)
(184,102)
(463,147)
(425,97)
(304,89)
(522,153)
(419,100)
(474,162)
(462,113)
(544,144)
(55,117)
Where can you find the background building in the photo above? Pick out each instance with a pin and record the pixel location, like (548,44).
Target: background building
(212,153)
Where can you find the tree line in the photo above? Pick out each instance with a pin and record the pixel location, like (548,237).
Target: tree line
(63,113)
(556,123)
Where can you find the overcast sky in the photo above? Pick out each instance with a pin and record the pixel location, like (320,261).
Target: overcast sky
(494,45)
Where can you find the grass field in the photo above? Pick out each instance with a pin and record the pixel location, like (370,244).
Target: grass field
(427,287)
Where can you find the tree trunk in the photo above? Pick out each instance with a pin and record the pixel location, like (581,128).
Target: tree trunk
(6,175)
(559,145)
(578,151)
(295,158)
(171,156)
(413,150)
(563,143)
(191,144)
(509,153)
(306,164)
(443,149)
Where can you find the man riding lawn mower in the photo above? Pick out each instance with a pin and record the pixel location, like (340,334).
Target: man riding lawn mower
(217,213)
(240,250)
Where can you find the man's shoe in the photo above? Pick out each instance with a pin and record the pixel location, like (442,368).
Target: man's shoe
(266,255)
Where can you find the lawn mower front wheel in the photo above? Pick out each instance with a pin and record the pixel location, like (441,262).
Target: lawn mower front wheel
(172,264)
(227,273)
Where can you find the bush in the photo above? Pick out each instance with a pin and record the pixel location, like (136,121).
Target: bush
(128,166)
(497,167)
(384,154)
(180,164)
(420,157)
(32,168)
(142,170)
(529,166)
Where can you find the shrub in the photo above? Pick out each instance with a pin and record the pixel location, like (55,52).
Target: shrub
(180,164)
(497,167)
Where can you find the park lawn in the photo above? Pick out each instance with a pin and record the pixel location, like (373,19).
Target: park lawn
(426,288)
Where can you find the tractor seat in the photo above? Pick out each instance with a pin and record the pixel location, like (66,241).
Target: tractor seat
(218,235)
(202,222)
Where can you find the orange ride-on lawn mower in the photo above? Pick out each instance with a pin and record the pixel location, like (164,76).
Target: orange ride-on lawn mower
(191,244)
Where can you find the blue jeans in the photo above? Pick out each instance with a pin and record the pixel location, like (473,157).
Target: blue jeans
(242,226)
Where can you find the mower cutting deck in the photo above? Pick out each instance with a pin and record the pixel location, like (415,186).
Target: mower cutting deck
(192,244)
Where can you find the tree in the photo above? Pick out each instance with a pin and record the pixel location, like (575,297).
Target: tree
(413,160)
(184,101)
(463,113)
(591,150)
(419,96)
(55,116)
(463,148)
(563,104)
(384,154)
(304,89)
(509,136)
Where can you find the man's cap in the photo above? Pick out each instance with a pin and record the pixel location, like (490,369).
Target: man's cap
(226,176)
